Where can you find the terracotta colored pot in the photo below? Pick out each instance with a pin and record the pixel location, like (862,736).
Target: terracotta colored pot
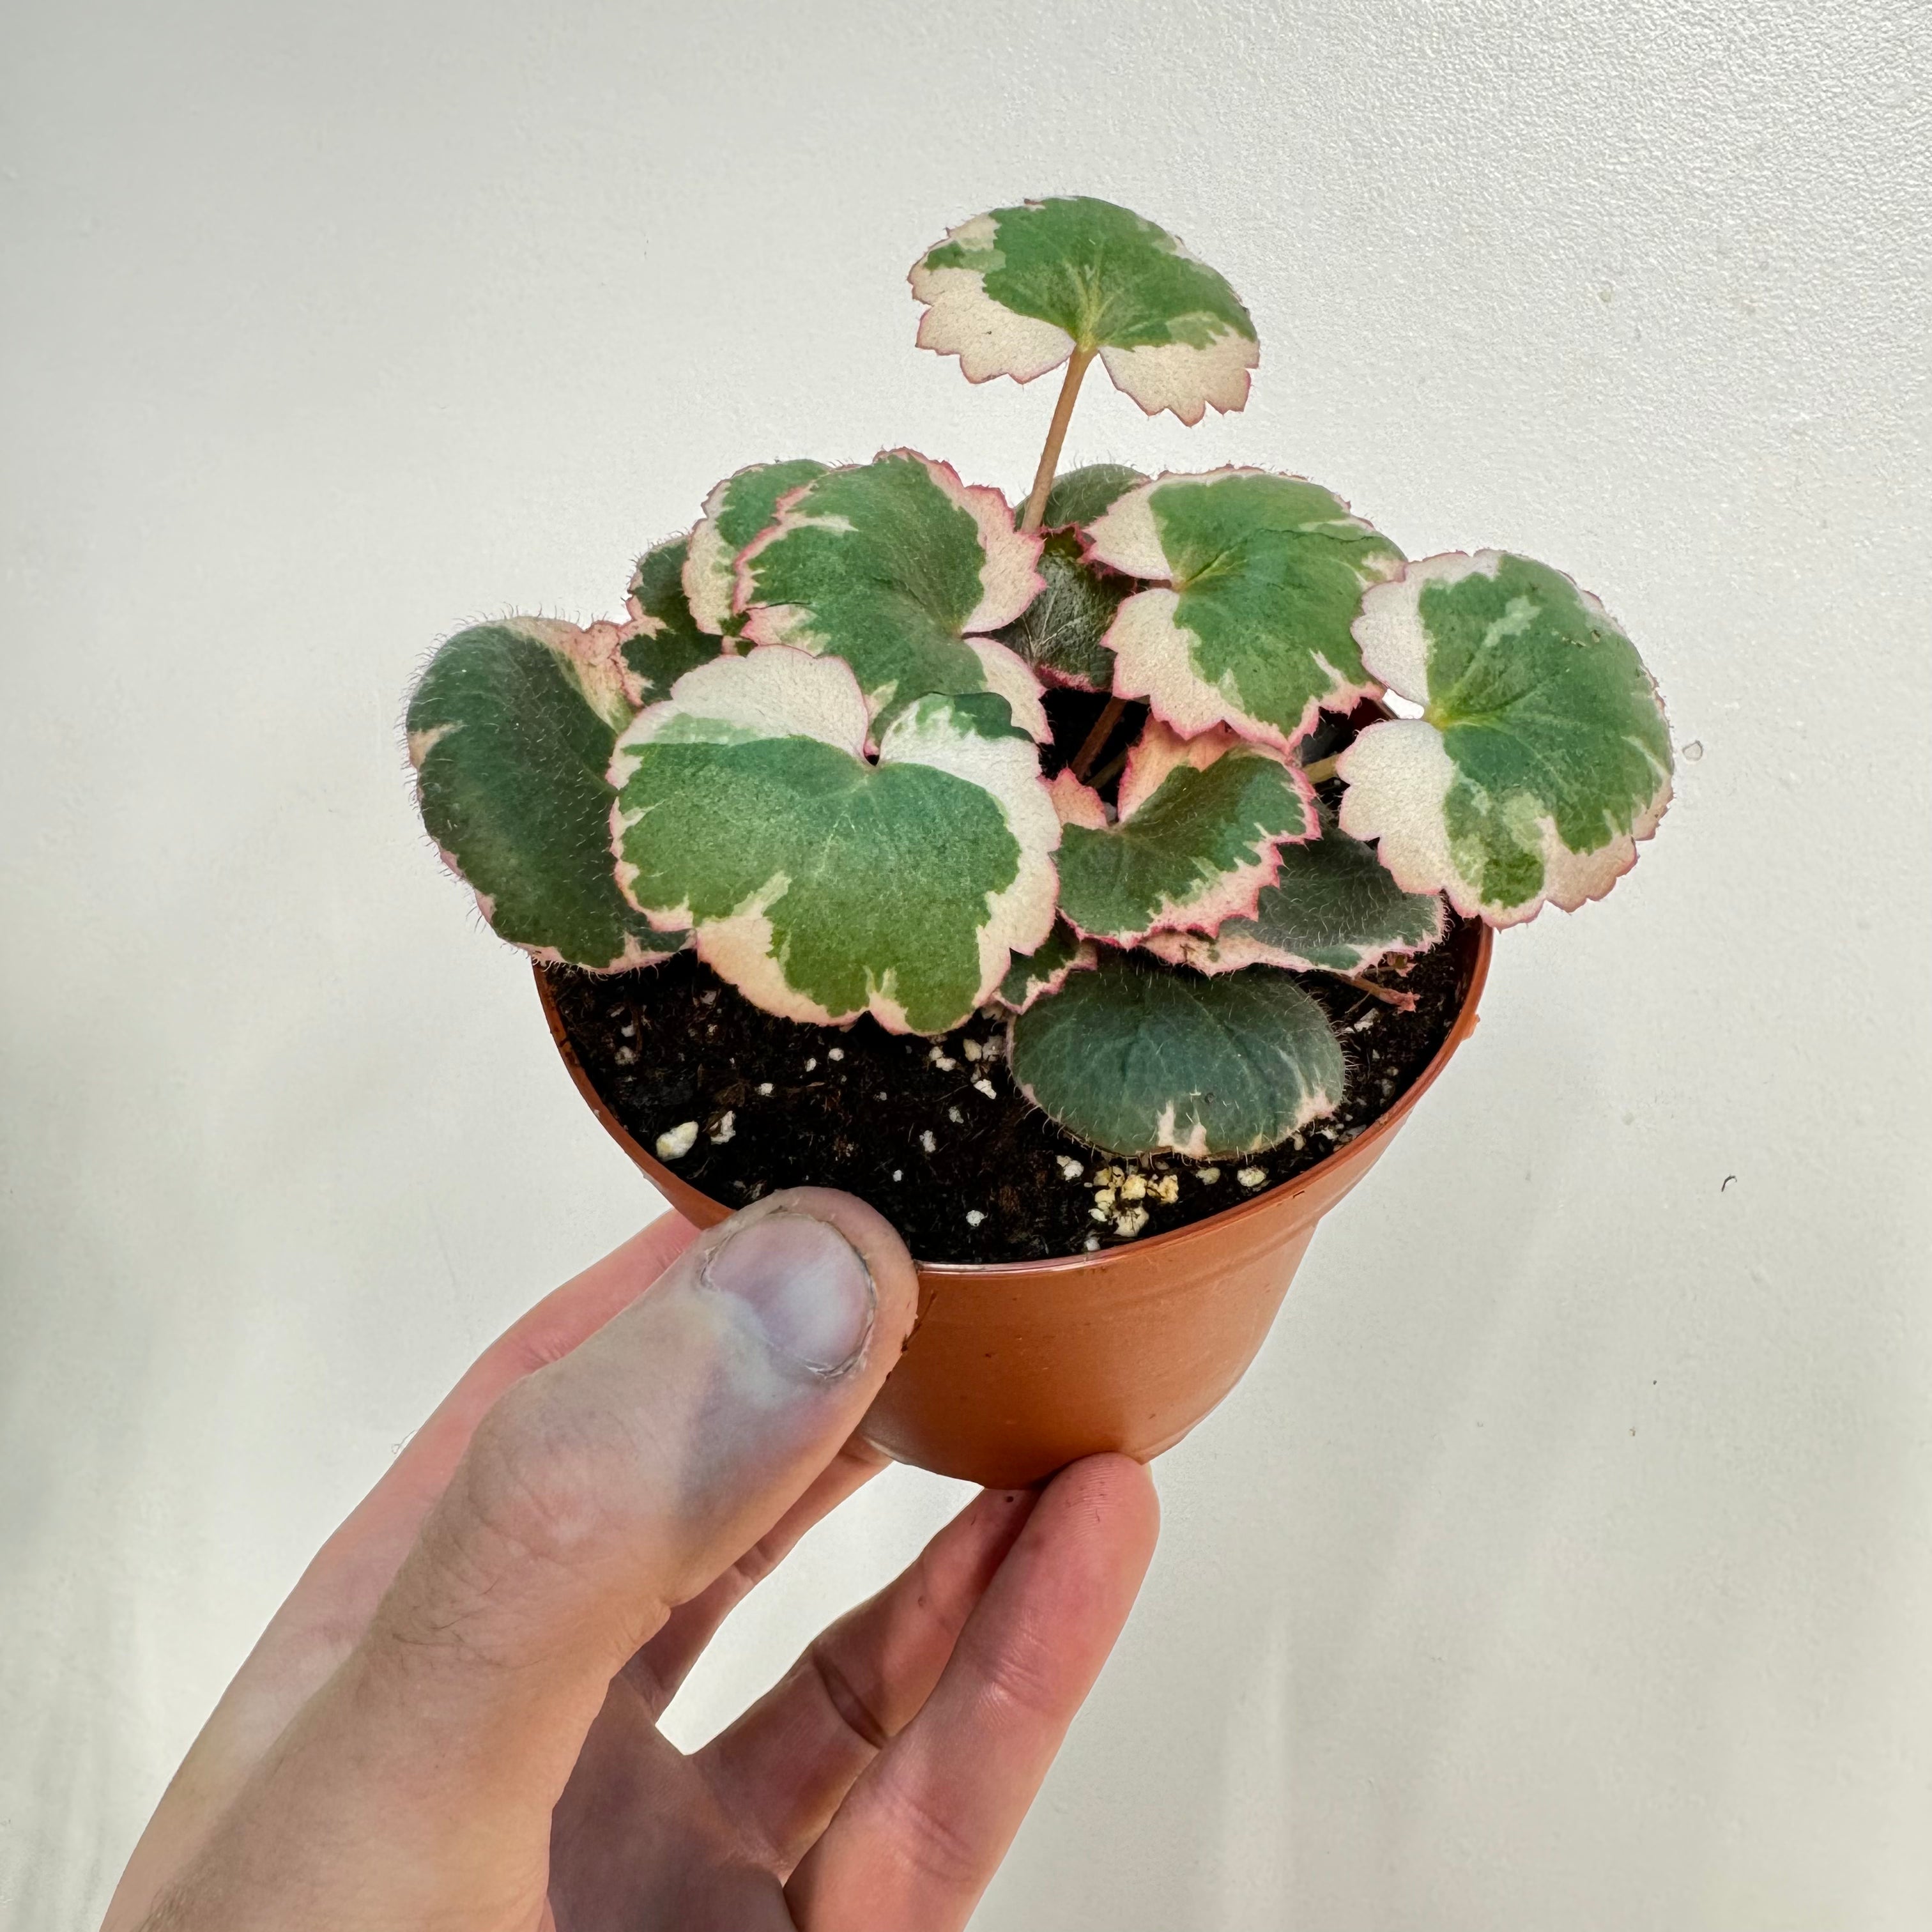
(1015,1369)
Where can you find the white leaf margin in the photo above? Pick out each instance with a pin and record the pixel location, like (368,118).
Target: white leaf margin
(1009,580)
(992,340)
(710,572)
(1399,773)
(1084,958)
(1158,753)
(776,690)
(1152,657)
(961,319)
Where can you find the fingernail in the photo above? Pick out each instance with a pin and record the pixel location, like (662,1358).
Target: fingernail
(805,1284)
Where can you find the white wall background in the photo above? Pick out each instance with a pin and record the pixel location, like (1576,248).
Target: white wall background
(1567,1558)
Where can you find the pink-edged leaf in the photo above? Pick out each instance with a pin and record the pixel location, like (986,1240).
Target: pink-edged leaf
(510,731)
(1033,976)
(739,508)
(1331,906)
(1197,838)
(1260,578)
(900,569)
(1542,757)
(1016,292)
(1137,1057)
(661,642)
(820,883)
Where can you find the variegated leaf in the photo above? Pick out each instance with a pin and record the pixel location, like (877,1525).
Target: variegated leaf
(821,885)
(1542,755)
(662,643)
(510,731)
(899,568)
(1200,823)
(739,508)
(1136,1057)
(1059,634)
(1333,905)
(1079,496)
(1016,292)
(1033,976)
(1261,576)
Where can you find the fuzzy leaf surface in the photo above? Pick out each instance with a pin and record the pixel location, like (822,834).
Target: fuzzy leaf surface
(1033,975)
(738,509)
(1079,496)
(663,642)
(1542,755)
(1136,1057)
(1332,904)
(1201,822)
(1262,577)
(821,884)
(1014,293)
(1059,634)
(897,568)
(511,730)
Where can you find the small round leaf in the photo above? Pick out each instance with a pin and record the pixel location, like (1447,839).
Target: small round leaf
(1016,292)
(1200,824)
(1262,577)
(1033,975)
(1333,905)
(1079,496)
(1059,634)
(897,567)
(1542,755)
(511,730)
(1136,1057)
(821,884)
(739,508)
(663,643)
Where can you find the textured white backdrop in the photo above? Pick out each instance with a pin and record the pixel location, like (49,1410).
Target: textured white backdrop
(1566,1558)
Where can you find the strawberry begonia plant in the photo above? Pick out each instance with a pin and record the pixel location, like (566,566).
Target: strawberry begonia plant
(818,748)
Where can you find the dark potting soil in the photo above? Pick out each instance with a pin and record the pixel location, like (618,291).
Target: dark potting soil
(933,1132)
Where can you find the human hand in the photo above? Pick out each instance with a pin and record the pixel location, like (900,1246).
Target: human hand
(451,1722)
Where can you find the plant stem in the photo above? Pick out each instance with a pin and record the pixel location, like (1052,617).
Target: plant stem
(1403,1002)
(1111,770)
(1056,435)
(1095,742)
(1322,770)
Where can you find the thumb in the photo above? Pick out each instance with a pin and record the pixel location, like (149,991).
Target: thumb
(605,1490)
(598,1494)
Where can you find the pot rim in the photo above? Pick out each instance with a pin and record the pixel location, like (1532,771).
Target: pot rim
(1384,1124)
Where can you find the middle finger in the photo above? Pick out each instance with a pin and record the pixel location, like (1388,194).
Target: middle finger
(784,1767)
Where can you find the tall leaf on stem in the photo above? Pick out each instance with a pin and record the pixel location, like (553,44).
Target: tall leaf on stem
(1020,290)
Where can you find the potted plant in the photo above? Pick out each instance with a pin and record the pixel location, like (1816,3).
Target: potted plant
(1093,887)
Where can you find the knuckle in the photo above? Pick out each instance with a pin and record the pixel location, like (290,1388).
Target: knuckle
(932,1842)
(1020,1676)
(858,1714)
(533,1488)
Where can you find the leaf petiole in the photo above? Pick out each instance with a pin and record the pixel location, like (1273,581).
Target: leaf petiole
(1095,742)
(1056,435)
